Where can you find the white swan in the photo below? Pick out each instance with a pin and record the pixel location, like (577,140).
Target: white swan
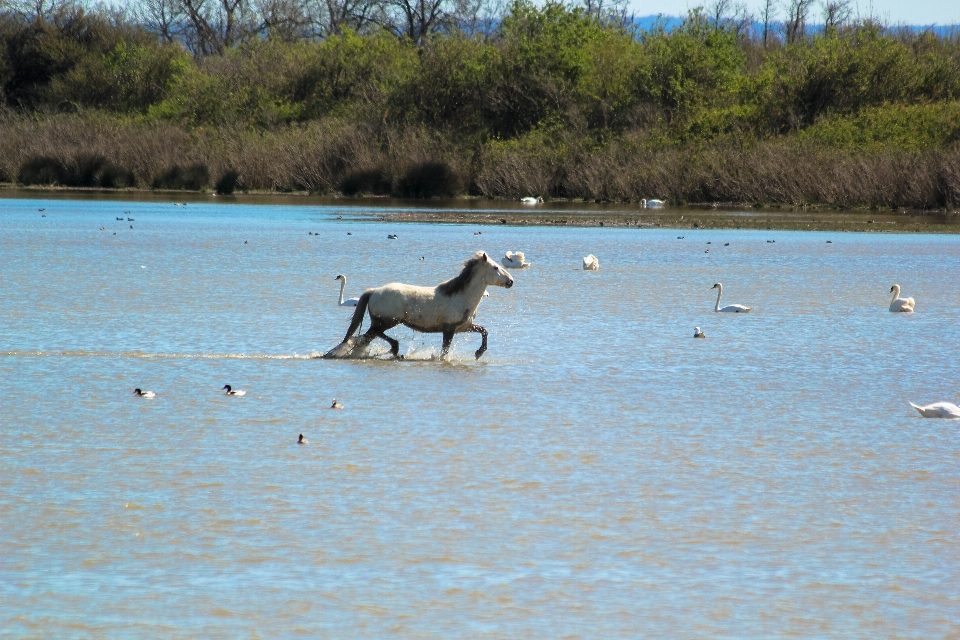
(302,440)
(939,410)
(531,200)
(144,394)
(651,204)
(698,334)
(352,302)
(336,405)
(733,308)
(904,305)
(514,260)
(230,391)
(590,263)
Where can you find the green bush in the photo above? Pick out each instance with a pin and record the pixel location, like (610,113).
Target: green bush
(429,180)
(191,178)
(84,170)
(227,183)
(373,182)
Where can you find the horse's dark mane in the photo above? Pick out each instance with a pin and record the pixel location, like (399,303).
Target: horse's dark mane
(454,286)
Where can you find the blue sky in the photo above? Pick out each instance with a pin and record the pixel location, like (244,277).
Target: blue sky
(914,12)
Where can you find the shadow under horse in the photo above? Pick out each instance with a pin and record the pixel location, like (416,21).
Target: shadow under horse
(447,308)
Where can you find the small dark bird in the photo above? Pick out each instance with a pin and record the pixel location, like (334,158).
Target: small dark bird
(339,217)
(680,237)
(829,241)
(770,241)
(392,236)
(131,226)
(120,219)
(245,242)
(727,244)
(129,219)
(349,234)
(309,233)
(41,209)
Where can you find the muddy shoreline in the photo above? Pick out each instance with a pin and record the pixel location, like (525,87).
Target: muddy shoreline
(694,218)
(570,213)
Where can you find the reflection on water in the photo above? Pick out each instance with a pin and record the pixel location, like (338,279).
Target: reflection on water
(598,473)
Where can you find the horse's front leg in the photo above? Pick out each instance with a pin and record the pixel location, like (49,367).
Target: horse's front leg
(483,332)
(447,339)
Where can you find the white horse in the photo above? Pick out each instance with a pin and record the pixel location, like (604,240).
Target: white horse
(447,308)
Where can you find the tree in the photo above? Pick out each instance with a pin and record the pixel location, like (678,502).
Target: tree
(795,26)
(164,17)
(768,16)
(836,13)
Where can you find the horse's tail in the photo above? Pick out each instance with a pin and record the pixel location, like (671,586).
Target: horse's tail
(358,314)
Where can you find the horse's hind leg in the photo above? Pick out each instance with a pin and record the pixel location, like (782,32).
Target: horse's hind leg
(445,349)
(394,344)
(377,330)
(483,332)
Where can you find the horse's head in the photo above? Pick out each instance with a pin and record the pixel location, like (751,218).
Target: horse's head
(494,274)
(479,267)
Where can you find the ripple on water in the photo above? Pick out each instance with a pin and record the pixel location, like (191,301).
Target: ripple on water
(598,473)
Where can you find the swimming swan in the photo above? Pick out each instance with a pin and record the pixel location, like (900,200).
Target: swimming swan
(302,440)
(590,263)
(651,204)
(939,410)
(531,200)
(904,305)
(352,302)
(733,308)
(698,334)
(144,394)
(514,260)
(336,405)
(230,391)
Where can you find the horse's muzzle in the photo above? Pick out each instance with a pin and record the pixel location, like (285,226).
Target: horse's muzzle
(509,283)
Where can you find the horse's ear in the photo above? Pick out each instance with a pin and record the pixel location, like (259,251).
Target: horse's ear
(484,253)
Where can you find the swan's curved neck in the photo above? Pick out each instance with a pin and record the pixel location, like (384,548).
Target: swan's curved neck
(896,293)
(343,284)
(719,293)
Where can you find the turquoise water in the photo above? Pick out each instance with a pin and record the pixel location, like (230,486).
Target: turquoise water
(598,473)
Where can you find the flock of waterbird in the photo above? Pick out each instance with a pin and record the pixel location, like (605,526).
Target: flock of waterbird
(517,260)
(236,393)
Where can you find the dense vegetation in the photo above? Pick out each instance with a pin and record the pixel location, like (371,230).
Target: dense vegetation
(552,100)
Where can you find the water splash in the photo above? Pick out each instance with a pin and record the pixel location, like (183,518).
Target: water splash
(79,353)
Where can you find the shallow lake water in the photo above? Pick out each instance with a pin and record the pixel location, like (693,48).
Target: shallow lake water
(598,473)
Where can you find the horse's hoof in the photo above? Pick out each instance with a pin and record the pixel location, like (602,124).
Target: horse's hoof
(399,357)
